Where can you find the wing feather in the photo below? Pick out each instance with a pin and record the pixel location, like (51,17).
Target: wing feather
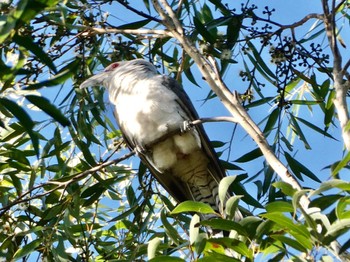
(177,188)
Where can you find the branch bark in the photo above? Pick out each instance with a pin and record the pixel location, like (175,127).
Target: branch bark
(340,85)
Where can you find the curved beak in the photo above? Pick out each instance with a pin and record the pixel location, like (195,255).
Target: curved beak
(95,80)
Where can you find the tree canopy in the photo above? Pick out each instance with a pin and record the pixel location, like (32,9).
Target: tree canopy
(71,191)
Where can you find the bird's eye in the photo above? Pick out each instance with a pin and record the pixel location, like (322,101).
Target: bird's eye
(111,67)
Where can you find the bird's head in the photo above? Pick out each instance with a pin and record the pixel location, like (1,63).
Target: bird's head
(133,70)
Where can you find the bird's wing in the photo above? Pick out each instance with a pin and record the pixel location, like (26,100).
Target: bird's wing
(177,188)
(214,166)
(174,186)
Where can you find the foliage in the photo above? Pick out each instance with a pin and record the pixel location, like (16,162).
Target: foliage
(69,190)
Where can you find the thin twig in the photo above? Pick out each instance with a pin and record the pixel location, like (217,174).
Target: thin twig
(61,184)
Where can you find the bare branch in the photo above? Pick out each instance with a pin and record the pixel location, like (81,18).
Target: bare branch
(340,86)
(136,11)
(99,31)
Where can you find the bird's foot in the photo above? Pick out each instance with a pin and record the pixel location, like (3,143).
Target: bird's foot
(186,126)
(140,150)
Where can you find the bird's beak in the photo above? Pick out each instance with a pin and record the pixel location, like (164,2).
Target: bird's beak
(95,80)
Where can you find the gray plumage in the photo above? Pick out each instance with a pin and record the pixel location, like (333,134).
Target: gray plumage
(147,105)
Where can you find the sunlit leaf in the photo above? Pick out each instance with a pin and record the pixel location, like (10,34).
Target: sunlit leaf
(27,249)
(224,186)
(192,206)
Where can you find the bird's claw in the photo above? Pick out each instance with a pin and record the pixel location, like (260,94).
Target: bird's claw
(186,126)
(140,150)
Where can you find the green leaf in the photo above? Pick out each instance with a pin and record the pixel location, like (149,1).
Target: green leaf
(341,210)
(233,29)
(286,188)
(271,121)
(290,242)
(337,229)
(298,168)
(304,102)
(312,126)
(343,163)
(224,186)
(65,73)
(331,184)
(297,130)
(24,120)
(259,61)
(203,31)
(152,247)
(226,225)
(194,229)
(254,154)
(45,105)
(167,259)
(169,229)
(18,112)
(193,206)
(279,206)
(135,25)
(223,9)
(260,102)
(231,206)
(288,224)
(27,42)
(324,202)
(11,20)
(27,249)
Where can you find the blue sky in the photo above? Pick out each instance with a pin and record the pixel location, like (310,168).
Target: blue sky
(324,151)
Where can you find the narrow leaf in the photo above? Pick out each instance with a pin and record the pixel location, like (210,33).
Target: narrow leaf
(24,120)
(298,168)
(287,223)
(272,120)
(299,132)
(59,78)
(290,242)
(255,153)
(45,105)
(312,126)
(27,42)
(343,163)
(203,31)
(169,229)
(27,249)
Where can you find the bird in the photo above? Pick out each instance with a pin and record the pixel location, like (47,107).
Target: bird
(148,106)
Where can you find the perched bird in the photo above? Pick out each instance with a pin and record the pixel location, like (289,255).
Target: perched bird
(147,107)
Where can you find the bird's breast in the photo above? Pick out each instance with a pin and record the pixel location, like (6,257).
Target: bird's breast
(146,110)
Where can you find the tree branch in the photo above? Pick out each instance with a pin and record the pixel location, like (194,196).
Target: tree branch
(61,184)
(98,31)
(340,86)
(230,100)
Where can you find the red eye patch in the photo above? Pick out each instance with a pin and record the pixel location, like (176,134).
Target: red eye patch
(111,67)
